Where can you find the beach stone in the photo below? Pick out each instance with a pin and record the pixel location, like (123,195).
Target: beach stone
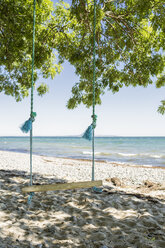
(130,223)
(85,214)
(40,246)
(98,236)
(143,244)
(82,246)
(150,222)
(120,245)
(73,218)
(98,244)
(160,243)
(108,179)
(149,184)
(3,206)
(116,181)
(81,222)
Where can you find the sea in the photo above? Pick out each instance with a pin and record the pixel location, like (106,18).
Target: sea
(145,151)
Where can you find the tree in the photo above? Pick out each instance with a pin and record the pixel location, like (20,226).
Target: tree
(130,44)
(16,28)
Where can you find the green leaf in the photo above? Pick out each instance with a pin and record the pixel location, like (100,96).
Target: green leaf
(39,2)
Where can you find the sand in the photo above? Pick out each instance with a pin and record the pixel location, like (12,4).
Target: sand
(130,212)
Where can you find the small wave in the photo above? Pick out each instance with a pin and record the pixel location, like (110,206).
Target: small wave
(127,154)
(87,153)
(151,155)
(156,156)
(103,153)
(96,153)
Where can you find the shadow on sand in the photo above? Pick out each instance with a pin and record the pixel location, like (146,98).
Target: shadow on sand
(77,218)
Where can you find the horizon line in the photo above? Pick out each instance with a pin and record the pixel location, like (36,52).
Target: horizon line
(79,136)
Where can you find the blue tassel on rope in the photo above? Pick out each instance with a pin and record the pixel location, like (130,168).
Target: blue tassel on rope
(97,190)
(30,198)
(27,126)
(88,133)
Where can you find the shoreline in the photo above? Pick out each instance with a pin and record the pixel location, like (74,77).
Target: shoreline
(118,163)
(80,169)
(115,163)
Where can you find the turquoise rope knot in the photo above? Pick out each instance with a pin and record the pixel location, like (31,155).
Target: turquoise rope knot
(94,120)
(33,115)
(30,198)
(97,190)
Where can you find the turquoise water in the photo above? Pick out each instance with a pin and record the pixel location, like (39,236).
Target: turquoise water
(132,150)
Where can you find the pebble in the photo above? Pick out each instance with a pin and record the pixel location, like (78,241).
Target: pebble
(98,236)
(160,243)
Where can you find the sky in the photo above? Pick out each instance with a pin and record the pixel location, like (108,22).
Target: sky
(130,112)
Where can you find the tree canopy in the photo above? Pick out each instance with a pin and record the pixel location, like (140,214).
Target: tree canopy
(16,29)
(130,45)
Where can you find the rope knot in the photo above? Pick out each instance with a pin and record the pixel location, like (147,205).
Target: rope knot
(33,115)
(30,198)
(94,120)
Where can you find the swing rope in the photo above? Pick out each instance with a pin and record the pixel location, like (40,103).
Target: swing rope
(90,132)
(32,114)
(28,125)
(94,80)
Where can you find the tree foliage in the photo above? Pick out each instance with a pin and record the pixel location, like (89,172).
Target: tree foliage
(130,45)
(16,30)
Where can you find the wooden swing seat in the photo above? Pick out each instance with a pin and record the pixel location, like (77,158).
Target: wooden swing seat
(61,186)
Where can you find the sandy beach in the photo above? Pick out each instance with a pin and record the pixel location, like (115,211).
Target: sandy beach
(129,213)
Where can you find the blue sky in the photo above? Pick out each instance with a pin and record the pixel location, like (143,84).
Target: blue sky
(131,112)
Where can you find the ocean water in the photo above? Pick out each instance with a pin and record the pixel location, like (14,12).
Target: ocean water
(130,150)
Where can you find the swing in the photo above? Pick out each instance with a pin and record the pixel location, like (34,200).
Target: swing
(61,186)
(89,134)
